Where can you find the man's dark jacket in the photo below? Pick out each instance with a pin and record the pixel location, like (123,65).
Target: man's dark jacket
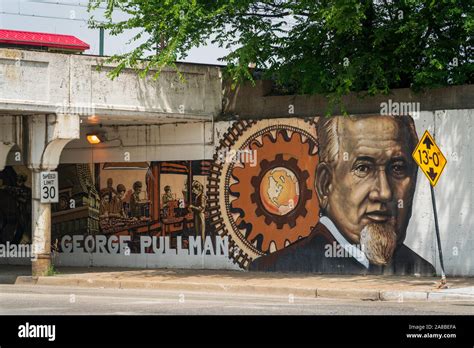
(308,255)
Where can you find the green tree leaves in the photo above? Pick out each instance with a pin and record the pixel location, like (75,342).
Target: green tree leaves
(307,46)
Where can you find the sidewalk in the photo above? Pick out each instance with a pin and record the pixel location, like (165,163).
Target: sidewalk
(385,288)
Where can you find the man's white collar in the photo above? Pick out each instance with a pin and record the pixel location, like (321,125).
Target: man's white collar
(350,249)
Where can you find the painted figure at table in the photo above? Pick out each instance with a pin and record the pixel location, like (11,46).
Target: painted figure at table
(137,204)
(198,208)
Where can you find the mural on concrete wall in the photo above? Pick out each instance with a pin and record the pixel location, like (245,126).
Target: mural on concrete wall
(149,203)
(329,195)
(15,205)
(78,209)
(261,186)
(333,196)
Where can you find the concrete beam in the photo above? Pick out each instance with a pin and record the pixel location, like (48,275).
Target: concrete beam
(258,102)
(143,143)
(33,82)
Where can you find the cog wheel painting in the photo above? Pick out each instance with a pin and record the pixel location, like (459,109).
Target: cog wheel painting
(262,196)
(278,193)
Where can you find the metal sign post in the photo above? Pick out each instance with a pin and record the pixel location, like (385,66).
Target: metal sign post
(431,160)
(438,238)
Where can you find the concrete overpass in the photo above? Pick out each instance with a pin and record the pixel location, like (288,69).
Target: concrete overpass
(49,102)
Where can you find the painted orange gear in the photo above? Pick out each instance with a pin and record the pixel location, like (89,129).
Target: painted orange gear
(234,205)
(263,229)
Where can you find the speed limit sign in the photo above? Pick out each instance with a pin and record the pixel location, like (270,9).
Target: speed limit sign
(49,187)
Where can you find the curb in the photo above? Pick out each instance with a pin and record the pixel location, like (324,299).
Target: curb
(25,280)
(401,296)
(440,296)
(8,279)
(144,284)
(358,294)
(248,289)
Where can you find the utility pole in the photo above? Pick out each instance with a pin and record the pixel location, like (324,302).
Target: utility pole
(101,41)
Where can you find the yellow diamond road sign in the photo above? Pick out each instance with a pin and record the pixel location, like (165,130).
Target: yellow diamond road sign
(430,158)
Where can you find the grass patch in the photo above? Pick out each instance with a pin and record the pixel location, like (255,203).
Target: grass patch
(51,271)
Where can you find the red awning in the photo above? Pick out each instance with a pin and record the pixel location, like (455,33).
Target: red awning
(28,38)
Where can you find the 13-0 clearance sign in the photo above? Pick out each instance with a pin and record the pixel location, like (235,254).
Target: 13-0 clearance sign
(430,158)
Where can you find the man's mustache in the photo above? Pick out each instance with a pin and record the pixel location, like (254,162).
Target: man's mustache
(381,216)
(381,212)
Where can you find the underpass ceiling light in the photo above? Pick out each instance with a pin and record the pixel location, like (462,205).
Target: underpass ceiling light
(95,138)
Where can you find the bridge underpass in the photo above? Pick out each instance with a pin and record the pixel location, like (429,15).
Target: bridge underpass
(50,103)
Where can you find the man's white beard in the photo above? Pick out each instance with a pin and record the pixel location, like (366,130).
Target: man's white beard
(378,241)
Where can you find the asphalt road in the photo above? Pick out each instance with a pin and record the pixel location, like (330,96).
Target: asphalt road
(39,300)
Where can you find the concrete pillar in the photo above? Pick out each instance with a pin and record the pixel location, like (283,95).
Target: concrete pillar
(5,148)
(41,225)
(10,135)
(47,136)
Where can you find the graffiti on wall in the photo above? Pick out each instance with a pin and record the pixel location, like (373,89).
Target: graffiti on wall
(325,195)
